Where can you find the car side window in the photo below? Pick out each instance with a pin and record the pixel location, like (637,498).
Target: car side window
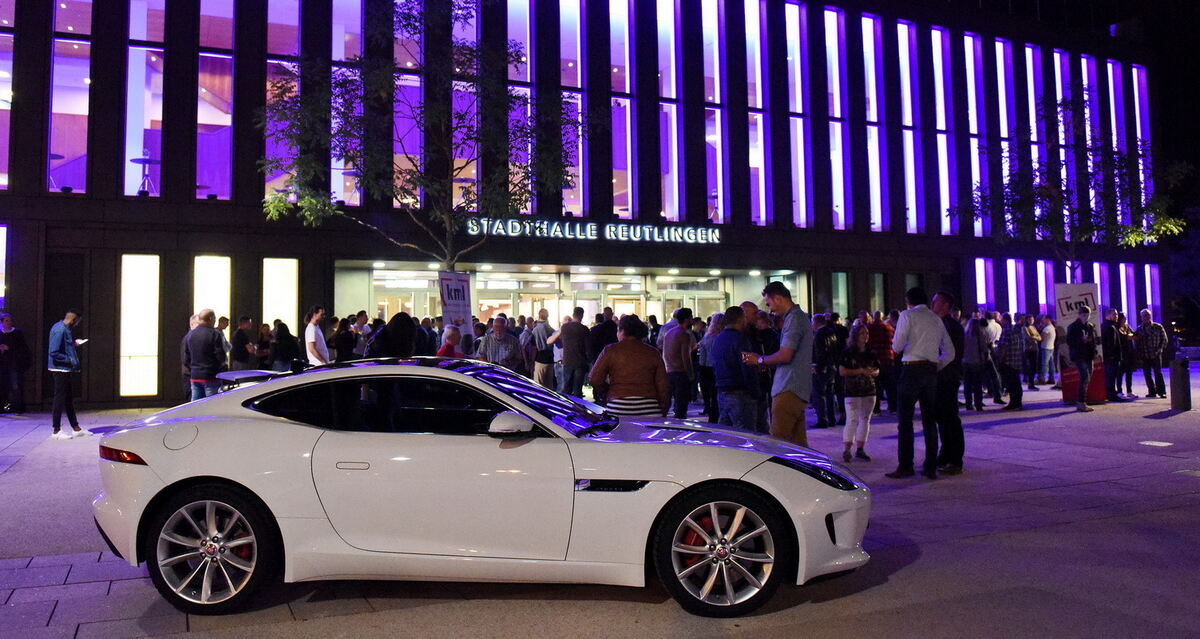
(412,405)
(308,404)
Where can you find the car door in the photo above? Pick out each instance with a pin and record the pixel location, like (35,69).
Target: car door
(410,468)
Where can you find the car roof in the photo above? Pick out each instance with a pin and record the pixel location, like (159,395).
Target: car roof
(454,364)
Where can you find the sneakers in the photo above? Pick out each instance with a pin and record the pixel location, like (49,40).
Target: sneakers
(61,435)
(950,469)
(1083,408)
(860,454)
(900,473)
(83,432)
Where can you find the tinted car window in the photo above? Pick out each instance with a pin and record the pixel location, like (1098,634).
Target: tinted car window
(308,404)
(412,405)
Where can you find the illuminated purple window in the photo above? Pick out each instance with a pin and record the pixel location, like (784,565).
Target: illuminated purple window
(622,148)
(800,159)
(1033,98)
(1141,106)
(570,43)
(758,169)
(283,27)
(70,88)
(214,126)
(1100,277)
(985,287)
(1066,159)
(797,37)
(1045,284)
(1116,120)
(1072,271)
(943,122)
(216,24)
(835,62)
(573,195)
(909,122)
(714,160)
(973,67)
(1014,271)
(714,50)
(667,46)
(1127,277)
(73,17)
(619,45)
(876,167)
(347,29)
(6,58)
(754,53)
(669,160)
(276,182)
(519,31)
(146,20)
(143,122)
(1091,118)
(7,10)
(1153,293)
(406,140)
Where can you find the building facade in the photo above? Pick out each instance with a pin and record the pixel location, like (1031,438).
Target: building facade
(734,142)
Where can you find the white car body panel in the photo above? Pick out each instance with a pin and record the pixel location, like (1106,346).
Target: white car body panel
(389,513)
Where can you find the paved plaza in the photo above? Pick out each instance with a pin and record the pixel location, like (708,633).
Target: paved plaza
(1063,525)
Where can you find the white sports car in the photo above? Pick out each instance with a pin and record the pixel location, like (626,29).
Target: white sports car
(453,470)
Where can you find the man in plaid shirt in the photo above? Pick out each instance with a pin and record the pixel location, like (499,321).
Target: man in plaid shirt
(1010,357)
(880,343)
(1151,339)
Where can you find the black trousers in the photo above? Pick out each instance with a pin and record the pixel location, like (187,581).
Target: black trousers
(1112,372)
(64,400)
(681,392)
(1031,366)
(948,422)
(12,393)
(708,390)
(918,384)
(1154,378)
(1012,381)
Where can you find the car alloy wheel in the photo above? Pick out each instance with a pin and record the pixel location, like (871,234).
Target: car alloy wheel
(206,552)
(723,553)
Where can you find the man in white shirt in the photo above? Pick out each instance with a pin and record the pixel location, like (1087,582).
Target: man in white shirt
(1047,363)
(926,347)
(314,338)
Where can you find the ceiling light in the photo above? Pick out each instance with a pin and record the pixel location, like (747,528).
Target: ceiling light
(614,69)
(154,58)
(755,273)
(70,28)
(631,270)
(570,65)
(673,271)
(485,267)
(535,268)
(378,265)
(61,5)
(585,269)
(714,272)
(433,266)
(87,80)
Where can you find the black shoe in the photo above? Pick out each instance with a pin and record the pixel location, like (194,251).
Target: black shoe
(1033,388)
(1013,407)
(999,402)
(861,455)
(1116,399)
(950,469)
(1150,395)
(1056,387)
(979,408)
(900,473)
(1160,396)
(820,425)
(929,473)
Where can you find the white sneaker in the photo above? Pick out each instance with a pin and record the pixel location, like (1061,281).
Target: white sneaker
(62,434)
(83,433)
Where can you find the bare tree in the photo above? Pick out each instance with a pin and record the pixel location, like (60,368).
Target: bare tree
(447,159)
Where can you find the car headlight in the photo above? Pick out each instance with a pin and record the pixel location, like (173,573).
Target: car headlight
(824,475)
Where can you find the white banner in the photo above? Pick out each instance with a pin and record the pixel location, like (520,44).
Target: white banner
(1068,298)
(455,289)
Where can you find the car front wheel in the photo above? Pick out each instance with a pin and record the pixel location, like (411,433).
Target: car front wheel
(209,548)
(721,550)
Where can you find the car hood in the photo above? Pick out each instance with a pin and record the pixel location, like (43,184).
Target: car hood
(682,432)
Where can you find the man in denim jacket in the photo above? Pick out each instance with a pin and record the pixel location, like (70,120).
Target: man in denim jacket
(62,362)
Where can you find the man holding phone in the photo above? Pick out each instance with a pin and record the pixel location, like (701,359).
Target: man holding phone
(63,362)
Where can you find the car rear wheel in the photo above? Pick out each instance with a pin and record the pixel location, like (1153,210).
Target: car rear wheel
(722,550)
(209,548)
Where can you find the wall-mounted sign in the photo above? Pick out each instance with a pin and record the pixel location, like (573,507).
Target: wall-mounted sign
(593,231)
(456,297)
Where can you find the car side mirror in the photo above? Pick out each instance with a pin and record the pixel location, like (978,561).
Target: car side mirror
(510,425)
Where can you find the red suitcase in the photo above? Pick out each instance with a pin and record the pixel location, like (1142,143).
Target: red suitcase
(1096,393)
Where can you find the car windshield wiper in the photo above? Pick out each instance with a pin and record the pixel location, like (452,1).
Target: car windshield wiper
(605,425)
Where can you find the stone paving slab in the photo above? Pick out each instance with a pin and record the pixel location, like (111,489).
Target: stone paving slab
(111,607)
(107,571)
(30,577)
(13,563)
(26,615)
(58,593)
(59,560)
(145,627)
(48,632)
(274,614)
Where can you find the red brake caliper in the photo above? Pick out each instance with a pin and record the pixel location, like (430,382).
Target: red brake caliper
(693,538)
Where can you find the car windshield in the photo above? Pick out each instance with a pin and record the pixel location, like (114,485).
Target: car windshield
(575,417)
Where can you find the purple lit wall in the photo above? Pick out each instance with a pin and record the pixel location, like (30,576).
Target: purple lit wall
(797,37)
(985,287)
(6,55)
(835,63)
(872,35)
(914,222)
(943,124)
(973,67)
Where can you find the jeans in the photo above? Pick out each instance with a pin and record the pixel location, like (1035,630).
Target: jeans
(1112,371)
(1031,367)
(570,381)
(11,392)
(1085,377)
(738,409)
(858,419)
(823,397)
(708,389)
(1154,384)
(973,385)
(886,385)
(1047,365)
(1012,383)
(680,386)
(948,422)
(64,400)
(918,384)
(992,377)
(208,388)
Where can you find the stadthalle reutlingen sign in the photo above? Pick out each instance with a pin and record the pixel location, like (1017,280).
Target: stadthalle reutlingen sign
(581,230)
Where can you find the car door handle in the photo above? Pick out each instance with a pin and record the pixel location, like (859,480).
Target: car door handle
(348,465)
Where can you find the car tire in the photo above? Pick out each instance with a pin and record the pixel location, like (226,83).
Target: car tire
(711,572)
(210,547)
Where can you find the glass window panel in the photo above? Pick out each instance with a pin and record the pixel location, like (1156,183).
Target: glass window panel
(7,9)
(1004,84)
(276,181)
(1015,274)
(143,122)
(878,299)
(70,86)
(754,53)
(945,187)
(874,177)
(622,144)
(465,103)
(519,118)
(800,215)
(939,36)
(714,159)
(519,31)
(3,262)
(573,196)
(759,204)
(669,160)
(1141,107)
(840,176)
(211,276)
(667,30)
(870,35)
(214,127)
(570,37)
(1033,88)
(281,291)
(345,178)
(146,20)
(904,34)
(618,24)
(796,40)
(834,43)
(841,293)
(6,58)
(912,213)
(973,67)
(216,24)
(347,29)
(283,27)
(406,137)
(139,325)
(73,16)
